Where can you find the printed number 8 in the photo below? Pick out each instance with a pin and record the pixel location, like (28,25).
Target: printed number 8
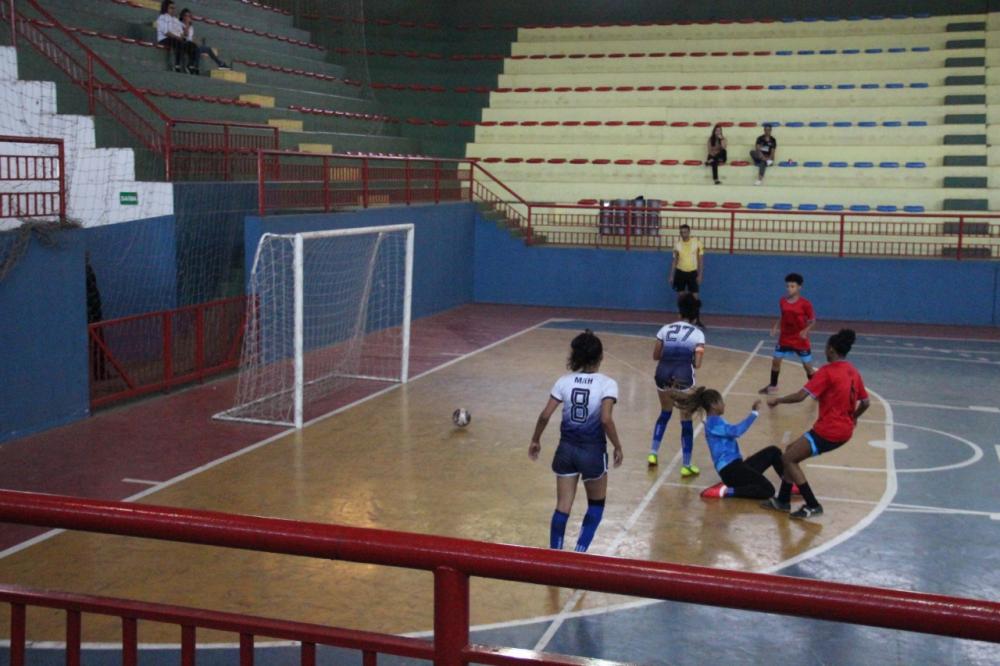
(580,402)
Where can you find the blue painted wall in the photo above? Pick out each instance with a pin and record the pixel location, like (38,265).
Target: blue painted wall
(43,345)
(443,246)
(918,291)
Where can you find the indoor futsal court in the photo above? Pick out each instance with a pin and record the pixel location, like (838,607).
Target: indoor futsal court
(908,502)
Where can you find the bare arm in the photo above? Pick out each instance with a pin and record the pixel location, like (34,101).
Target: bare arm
(776,327)
(861,409)
(699,353)
(607,405)
(701,265)
(543,420)
(789,399)
(658,350)
(805,331)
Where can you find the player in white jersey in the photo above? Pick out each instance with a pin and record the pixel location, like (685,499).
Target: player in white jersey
(587,398)
(679,349)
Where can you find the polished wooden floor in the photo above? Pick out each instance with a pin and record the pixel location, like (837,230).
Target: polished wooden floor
(397,462)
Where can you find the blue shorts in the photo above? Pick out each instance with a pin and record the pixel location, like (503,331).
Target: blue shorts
(589,462)
(820,445)
(678,375)
(804,355)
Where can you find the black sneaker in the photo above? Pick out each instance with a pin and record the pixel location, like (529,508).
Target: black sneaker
(773,504)
(807,512)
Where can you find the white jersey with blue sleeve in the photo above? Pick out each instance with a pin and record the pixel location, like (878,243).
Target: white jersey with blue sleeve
(680,341)
(581,394)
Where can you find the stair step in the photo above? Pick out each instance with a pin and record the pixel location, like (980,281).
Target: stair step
(966,181)
(961,100)
(320,148)
(965,140)
(265,101)
(969,26)
(965,160)
(975,80)
(285,125)
(965,119)
(965,44)
(229,75)
(965,62)
(967,204)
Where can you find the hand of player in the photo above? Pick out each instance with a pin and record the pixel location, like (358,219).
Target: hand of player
(756,405)
(803,334)
(534,449)
(618,457)
(774,331)
(772,402)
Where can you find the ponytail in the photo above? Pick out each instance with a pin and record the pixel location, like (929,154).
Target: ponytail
(698,400)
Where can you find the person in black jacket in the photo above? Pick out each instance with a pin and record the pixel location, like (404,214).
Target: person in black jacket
(764,153)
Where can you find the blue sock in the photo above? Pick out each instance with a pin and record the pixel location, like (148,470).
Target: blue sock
(557,530)
(595,511)
(659,429)
(687,441)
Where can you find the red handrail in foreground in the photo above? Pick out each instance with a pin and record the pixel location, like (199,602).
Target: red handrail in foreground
(453,561)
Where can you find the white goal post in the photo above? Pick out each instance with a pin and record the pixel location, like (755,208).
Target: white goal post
(326,311)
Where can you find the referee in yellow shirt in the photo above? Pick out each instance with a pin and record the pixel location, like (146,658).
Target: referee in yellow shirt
(688,263)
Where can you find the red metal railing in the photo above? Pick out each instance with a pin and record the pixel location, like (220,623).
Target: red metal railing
(133,356)
(201,152)
(39,181)
(453,562)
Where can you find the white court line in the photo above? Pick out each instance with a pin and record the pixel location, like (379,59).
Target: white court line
(550,632)
(273,438)
(938,350)
(141,482)
(928,358)
(929,405)
(998,450)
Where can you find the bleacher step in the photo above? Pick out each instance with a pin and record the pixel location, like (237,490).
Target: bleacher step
(319,148)
(965,160)
(230,75)
(971,182)
(265,101)
(965,62)
(965,119)
(286,125)
(965,44)
(965,140)
(967,204)
(975,80)
(969,26)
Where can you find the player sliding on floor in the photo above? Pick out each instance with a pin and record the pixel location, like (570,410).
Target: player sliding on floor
(587,398)
(740,478)
(842,400)
(797,319)
(679,349)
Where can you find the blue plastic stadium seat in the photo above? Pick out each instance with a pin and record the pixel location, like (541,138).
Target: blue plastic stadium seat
(869,86)
(822,86)
(916,165)
(888,165)
(863,165)
(920,49)
(799,86)
(807,52)
(888,208)
(788,19)
(756,205)
(892,123)
(899,16)
(897,49)
(861,208)
(867,123)
(776,86)
(808,206)
(842,123)
(837,165)
(855,18)
(819,123)
(772,123)
(916,123)
(831,18)
(846,86)
(920,85)
(795,123)
(788,163)
(810,19)
(833,208)
(784,53)
(895,85)
(812,165)
(828,52)
(782,206)
(876,17)
(913,209)
(851,51)
(873,51)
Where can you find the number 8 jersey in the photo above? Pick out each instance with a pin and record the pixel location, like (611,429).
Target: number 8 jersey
(680,342)
(581,394)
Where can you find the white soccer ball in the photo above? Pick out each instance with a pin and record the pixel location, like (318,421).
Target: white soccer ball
(461,417)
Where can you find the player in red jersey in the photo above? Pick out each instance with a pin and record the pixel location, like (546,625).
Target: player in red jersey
(797,319)
(842,400)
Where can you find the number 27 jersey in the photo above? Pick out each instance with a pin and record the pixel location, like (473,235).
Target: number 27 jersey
(680,341)
(581,394)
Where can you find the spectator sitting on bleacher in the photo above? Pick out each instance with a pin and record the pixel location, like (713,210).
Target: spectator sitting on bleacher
(199,50)
(716,152)
(764,152)
(169,33)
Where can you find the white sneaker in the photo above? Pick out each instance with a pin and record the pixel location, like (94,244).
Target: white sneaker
(770,162)
(756,182)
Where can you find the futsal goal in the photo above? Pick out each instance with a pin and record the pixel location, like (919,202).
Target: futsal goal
(327,312)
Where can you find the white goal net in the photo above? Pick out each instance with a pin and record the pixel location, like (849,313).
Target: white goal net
(327,312)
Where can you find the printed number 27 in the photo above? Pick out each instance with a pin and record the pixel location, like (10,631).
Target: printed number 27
(580,405)
(676,330)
